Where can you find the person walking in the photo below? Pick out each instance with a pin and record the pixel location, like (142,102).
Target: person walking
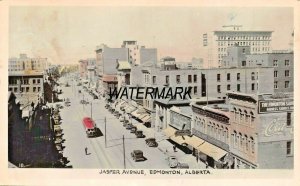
(206,164)
(86,149)
(174,148)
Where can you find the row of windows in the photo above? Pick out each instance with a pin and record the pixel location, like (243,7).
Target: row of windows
(244,38)
(286,73)
(242,142)
(238,76)
(212,129)
(238,87)
(286,63)
(24,89)
(243,116)
(23,81)
(287,84)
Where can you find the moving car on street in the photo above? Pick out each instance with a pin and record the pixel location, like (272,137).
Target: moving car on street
(137,155)
(90,127)
(133,129)
(129,126)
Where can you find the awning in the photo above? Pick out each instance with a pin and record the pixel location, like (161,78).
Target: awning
(130,109)
(146,119)
(179,139)
(136,113)
(169,131)
(194,141)
(211,150)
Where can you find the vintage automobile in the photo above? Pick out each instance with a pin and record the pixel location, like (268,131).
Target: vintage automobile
(183,166)
(172,162)
(121,118)
(139,134)
(137,155)
(107,106)
(125,123)
(95,96)
(151,142)
(133,129)
(115,113)
(129,126)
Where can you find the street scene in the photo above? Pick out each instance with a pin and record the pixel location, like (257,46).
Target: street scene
(189,92)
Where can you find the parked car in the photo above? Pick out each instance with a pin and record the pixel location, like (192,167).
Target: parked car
(151,142)
(122,118)
(129,126)
(107,106)
(137,155)
(172,161)
(133,129)
(139,134)
(95,96)
(116,113)
(125,123)
(183,166)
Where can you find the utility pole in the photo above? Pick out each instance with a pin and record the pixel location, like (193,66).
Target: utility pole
(91,109)
(124,152)
(105,132)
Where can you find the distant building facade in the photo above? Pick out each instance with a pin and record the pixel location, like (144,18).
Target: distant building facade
(24,63)
(217,42)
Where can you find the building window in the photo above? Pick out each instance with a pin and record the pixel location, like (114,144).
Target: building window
(276,84)
(238,76)
(190,78)
(287,63)
(178,79)
(252,76)
(219,88)
(287,73)
(34,89)
(218,77)
(195,90)
(39,89)
(10,89)
(243,63)
(288,147)
(167,79)
(252,145)
(243,51)
(275,73)
(288,119)
(38,81)
(228,76)
(238,87)
(228,87)
(286,84)
(33,81)
(27,89)
(154,80)
(252,86)
(195,78)
(275,63)
(15,89)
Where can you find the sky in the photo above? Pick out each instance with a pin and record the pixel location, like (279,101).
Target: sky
(66,34)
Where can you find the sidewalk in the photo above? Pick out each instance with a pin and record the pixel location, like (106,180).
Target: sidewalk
(167,148)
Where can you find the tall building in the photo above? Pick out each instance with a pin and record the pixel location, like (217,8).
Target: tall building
(139,54)
(218,41)
(24,63)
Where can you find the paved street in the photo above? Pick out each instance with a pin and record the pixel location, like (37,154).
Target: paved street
(101,157)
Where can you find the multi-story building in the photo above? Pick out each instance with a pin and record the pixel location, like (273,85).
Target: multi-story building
(24,63)
(261,125)
(218,41)
(281,61)
(139,54)
(27,86)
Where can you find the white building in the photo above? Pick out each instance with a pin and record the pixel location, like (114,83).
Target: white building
(217,42)
(24,63)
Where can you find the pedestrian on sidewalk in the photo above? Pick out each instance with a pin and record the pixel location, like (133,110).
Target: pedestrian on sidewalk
(174,148)
(86,149)
(197,159)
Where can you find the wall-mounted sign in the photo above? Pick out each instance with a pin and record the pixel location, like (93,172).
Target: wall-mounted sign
(182,133)
(275,106)
(277,127)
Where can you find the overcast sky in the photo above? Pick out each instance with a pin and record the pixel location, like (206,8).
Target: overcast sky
(67,34)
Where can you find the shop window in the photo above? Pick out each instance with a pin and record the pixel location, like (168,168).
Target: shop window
(190,78)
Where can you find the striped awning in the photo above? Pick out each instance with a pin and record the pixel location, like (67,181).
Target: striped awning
(146,119)
(211,150)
